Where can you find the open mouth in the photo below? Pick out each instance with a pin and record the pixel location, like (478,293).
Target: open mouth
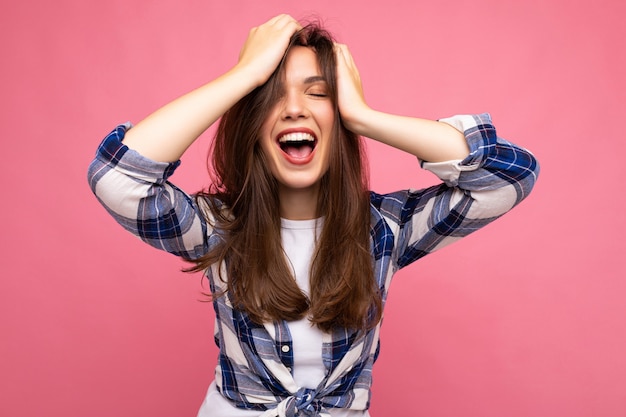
(298,145)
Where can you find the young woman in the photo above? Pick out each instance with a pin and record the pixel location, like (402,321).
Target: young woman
(298,252)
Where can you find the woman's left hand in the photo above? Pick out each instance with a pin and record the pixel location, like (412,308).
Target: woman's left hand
(426,139)
(351,101)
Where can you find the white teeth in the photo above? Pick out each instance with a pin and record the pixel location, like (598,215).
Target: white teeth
(296,137)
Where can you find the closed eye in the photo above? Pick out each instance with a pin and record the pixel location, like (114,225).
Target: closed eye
(317,91)
(317,87)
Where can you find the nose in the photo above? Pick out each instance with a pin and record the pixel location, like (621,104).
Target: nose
(294,106)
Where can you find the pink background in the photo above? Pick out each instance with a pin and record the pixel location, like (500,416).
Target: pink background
(525,318)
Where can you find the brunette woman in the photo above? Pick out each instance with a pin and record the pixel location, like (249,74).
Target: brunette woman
(299,253)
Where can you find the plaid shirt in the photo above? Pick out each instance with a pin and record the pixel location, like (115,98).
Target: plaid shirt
(256,361)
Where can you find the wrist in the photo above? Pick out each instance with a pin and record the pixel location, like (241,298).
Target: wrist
(359,120)
(246,77)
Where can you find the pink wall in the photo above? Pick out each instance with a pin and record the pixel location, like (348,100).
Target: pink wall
(526,318)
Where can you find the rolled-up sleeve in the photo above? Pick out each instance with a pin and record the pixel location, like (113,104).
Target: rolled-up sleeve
(495,177)
(135,190)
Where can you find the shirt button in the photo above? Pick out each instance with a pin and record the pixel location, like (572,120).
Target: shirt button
(285,348)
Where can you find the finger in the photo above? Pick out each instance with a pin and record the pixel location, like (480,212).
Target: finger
(283,21)
(279,17)
(345,55)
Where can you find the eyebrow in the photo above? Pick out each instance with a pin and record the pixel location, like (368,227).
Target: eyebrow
(314,79)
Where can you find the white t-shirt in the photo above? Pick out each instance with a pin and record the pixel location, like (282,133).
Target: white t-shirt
(298,239)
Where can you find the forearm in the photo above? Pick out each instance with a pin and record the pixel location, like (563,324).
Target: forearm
(428,140)
(168,132)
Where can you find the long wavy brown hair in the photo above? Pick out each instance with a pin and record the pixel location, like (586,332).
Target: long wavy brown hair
(259,280)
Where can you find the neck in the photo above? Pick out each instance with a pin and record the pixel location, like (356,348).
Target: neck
(300,204)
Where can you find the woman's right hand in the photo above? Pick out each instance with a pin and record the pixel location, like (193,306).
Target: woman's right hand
(168,132)
(265,47)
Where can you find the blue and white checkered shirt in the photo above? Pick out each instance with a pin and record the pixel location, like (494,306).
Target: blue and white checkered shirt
(256,361)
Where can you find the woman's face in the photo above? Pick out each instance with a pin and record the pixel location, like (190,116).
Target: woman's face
(295,138)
